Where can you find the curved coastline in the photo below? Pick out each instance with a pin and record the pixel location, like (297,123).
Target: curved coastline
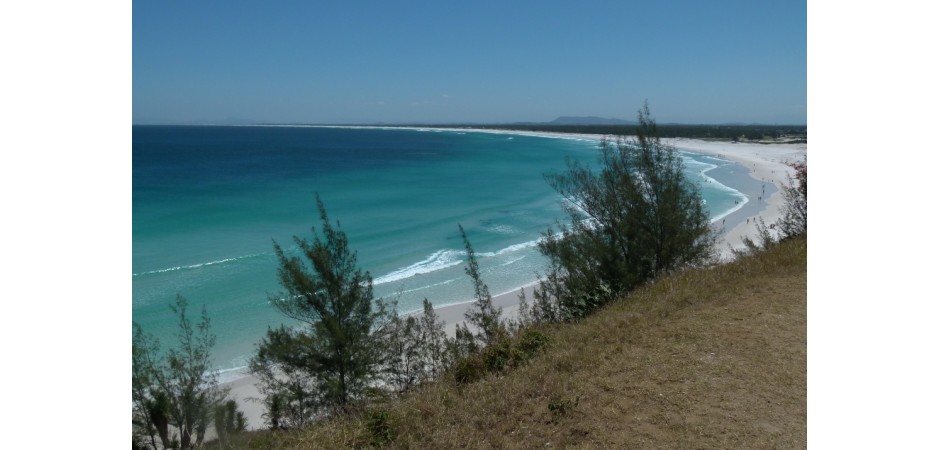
(755,171)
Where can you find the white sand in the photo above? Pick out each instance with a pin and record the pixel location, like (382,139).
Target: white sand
(244,391)
(766,162)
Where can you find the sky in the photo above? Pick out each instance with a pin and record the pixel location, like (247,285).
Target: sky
(471,62)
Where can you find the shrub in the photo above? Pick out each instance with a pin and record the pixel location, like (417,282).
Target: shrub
(635,219)
(380,428)
(329,361)
(469,369)
(174,391)
(560,407)
(793,222)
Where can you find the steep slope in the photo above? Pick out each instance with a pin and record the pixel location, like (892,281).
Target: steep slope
(708,358)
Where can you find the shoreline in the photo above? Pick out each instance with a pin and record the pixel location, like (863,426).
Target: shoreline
(755,168)
(247,395)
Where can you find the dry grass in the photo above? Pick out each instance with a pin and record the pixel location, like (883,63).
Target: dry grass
(711,358)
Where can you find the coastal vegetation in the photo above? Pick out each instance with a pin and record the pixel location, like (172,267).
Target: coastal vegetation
(793,222)
(350,346)
(483,316)
(651,367)
(703,358)
(635,219)
(330,360)
(175,394)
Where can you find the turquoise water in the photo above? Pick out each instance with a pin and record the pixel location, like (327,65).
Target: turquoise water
(209,200)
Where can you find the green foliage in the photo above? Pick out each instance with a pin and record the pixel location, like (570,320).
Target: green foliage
(793,222)
(287,383)
(415,349)
(485,317)
(149,414)
(228,420)
(509,351)
(635,219)
(174,393)
(328,362)
(497,345)
(469,368)
(380,428)
(528,342)
(498,355)
(525,316)
(560,407)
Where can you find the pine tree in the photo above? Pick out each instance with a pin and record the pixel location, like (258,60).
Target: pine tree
(175,391)
(415,349)
(793,222)
(328,362)
(483,315)
(228,420)
(633,220)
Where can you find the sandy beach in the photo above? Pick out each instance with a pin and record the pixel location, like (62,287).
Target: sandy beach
(766,163)
(760,169)
(244,391)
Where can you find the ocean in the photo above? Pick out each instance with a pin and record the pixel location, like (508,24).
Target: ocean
(209,201)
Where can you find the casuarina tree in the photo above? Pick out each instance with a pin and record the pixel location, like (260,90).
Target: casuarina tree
(634,218)
(325,360)
(174,393)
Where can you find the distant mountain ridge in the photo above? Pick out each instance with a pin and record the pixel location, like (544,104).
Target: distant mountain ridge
(589,120)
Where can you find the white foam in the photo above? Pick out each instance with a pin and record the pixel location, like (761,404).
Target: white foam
(438,260)
(232,374)
(715,183)
(728,212)
(443,259)
(517,247)
(513,261)
(502,229)
(511,248)
(196,266)
(430,286)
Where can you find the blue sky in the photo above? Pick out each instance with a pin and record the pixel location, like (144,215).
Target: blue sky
(364,62)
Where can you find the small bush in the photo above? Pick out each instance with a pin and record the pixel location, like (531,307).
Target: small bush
(794,221)
(380,428)
(229,420)
(469,369)
(635,218)
(560,407)
(498,356)
(529,342)
(506,353)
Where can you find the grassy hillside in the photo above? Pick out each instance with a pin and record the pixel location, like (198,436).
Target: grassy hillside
(711,358)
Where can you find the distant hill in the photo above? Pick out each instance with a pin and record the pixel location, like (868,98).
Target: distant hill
(589,120)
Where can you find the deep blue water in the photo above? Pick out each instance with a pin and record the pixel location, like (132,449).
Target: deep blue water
(207,202)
